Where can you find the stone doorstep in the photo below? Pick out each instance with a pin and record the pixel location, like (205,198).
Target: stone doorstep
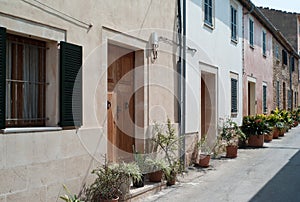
(150,188)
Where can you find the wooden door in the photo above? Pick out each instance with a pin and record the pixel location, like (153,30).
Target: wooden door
(120,122)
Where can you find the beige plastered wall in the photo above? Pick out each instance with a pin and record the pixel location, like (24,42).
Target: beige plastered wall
(34,165)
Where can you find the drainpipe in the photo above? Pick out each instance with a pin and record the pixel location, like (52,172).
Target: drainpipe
(181,65)
(291,83)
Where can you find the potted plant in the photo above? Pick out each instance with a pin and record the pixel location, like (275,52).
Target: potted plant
(106,186)
(295,117)
(157,167)
(172,172)
(272,121)
(255,127)
(205,152)
(127,172)
(140,160)
(168,142)
(231,134)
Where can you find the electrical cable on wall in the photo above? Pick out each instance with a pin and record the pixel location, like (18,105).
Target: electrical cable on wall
(89,25)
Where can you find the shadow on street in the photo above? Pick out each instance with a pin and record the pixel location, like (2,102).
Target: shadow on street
(284,186)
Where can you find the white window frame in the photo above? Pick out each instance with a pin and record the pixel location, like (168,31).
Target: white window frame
(212,25)
(235,7)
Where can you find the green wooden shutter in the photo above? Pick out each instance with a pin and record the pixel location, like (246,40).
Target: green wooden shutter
(70,85)
(265,99)
(233,95)
(2,76)
(278,94)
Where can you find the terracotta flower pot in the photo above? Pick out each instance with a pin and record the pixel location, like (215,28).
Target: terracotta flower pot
(231,151)
(256,141)
(295,123)
(281,132)
(155,176)
(204,160)
(275,132)
(268,137)
(171,181)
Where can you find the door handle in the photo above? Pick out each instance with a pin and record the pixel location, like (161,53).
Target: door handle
(108,104)
(118,110)
(126,105)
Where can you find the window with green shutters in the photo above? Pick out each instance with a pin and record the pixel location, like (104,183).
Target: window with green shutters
(233,23)
(264,43)
(284,57)
(71,85)
(251,32)
(23,84)
(265,108)
(2,76)
(234,97)
(278,94)
(208,12)
(292,63)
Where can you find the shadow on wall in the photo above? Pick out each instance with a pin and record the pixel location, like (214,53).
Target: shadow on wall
(284,186)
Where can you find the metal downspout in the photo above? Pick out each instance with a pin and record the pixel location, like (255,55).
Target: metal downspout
(183,83)
(181,77)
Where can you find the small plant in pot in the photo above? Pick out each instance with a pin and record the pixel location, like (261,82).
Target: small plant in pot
(231,134)
(172,172)
(127,172)
(205,152)
(140,160)
(167,141)
(112,181)
(106,186)
(157,167)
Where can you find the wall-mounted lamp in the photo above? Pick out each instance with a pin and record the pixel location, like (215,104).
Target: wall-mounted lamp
(154,44)
(193,50)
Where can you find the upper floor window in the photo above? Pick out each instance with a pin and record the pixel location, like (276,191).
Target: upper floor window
(251,32)
(208,12)
(277,52)
(264,43)
(292,63)
(25,81)
(233,23)
(284,57)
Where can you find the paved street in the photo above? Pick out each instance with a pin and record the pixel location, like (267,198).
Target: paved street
(271,173)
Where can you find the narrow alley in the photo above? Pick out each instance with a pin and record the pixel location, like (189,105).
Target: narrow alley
(266,174)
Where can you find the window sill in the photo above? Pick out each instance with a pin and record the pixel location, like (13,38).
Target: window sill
(234,41)
(252,47)
(264,55)
(234,114)
(30,129)
(210,26)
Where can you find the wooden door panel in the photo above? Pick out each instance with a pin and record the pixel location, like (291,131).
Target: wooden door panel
(121,121)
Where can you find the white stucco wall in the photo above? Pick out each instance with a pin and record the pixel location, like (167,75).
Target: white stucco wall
(215,52)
